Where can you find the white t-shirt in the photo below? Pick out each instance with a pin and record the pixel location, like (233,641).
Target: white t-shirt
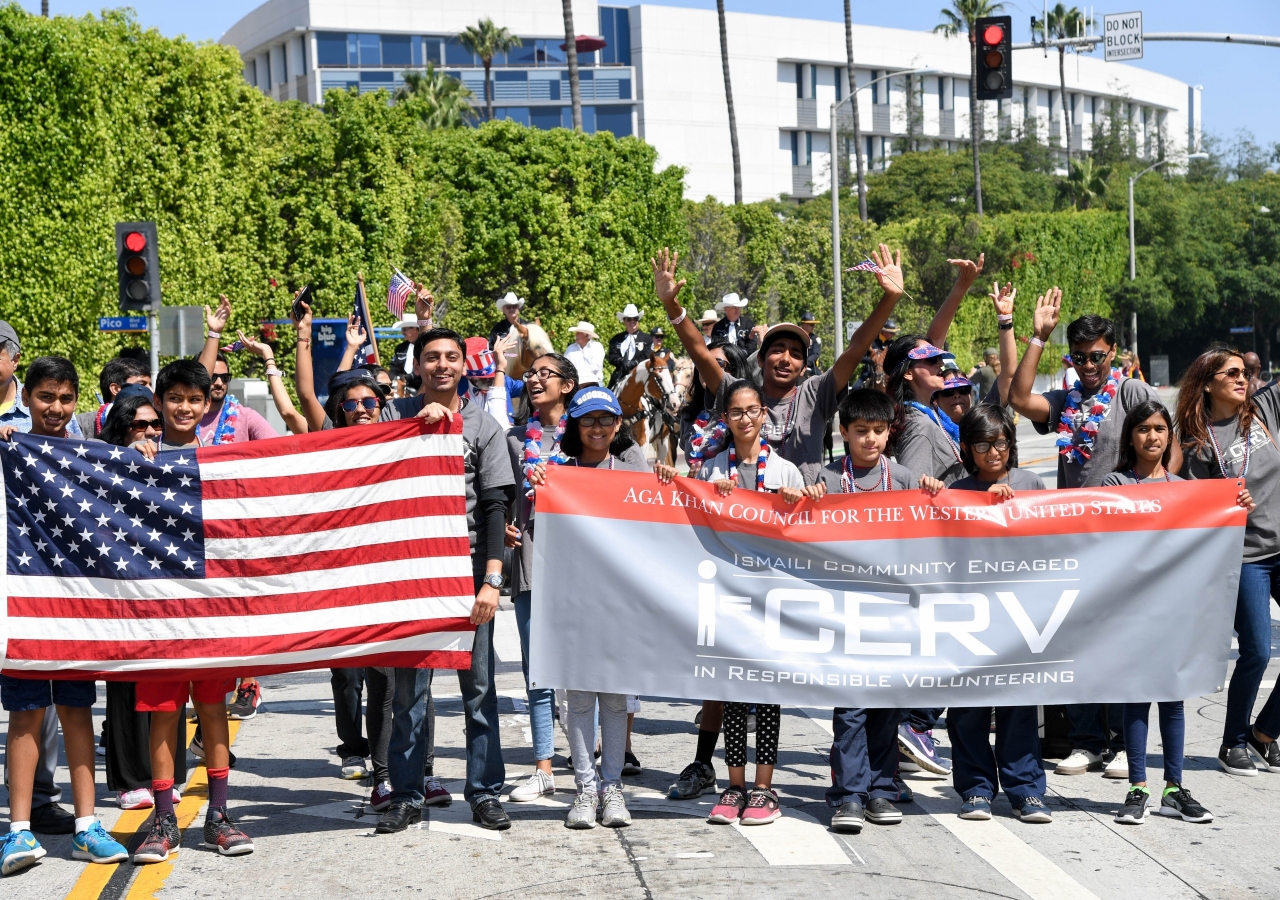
(588,360)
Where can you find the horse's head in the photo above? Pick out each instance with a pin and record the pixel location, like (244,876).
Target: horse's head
(683,381)
(660,386)
(539,343)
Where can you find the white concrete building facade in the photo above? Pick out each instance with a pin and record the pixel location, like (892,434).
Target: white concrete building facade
(659,77)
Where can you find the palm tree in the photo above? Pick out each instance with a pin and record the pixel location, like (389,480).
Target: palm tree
(853,103)
(728,97)
(571,51)
(440,100)
(486,41)
(964,16)
(1062,23)
(1085,185)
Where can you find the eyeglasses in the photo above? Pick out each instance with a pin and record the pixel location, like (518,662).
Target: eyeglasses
(145,424)
(737,415)
(1094,356)
(954,392)
(544,373)
(605,421)
(369,403)
(1232,374)
(722,363)
(986,446)
(220,376)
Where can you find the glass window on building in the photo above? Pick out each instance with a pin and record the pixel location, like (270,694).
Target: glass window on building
(808,148)
(514,113)
(795,148)
(457,55)
(799,81)
(615,28)
(839,80)
(546,117)
(431,50)
(370,50)
(616,119)
(331,48)
(524,55)
(875,87)
(353,49)
(588,119)
(813,82)
(397,50)
(550,54)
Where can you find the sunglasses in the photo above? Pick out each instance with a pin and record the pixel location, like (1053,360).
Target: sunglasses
(144,424)
(220,376)
(722,363)
(985,446)
(369,403)
(604,421)
(1094,356)
(947,393)
(1232,374)
(544,373)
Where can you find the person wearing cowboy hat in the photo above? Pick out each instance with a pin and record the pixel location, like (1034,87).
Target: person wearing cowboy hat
(735,327)
(628,349)
(706,323)
(807,321)
(586,353)
(510,307)
(402,359)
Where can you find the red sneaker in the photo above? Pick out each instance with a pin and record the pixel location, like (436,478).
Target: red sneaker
(221,834)
(762,807)
(434,793)
(730,806)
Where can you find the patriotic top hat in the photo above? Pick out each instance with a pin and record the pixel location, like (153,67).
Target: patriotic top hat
(479,361)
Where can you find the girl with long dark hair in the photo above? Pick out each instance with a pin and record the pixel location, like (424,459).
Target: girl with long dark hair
(1225,433)
(922,439)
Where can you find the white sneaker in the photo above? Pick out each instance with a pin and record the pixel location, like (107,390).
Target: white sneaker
(1079,762)
(1118,767)
(136,799)
(538,784)
(614,812)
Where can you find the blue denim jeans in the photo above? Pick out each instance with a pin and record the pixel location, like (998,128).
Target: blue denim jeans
(1173,734)
(1258,582)
(1096,727)
(864,755)
(1015,764)
(407,753)
(541,700)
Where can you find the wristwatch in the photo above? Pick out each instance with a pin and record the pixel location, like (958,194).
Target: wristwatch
(494,581)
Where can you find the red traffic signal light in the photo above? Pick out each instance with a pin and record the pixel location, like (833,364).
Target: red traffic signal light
(135,241)
(995,57)
(992,35)
(138,266)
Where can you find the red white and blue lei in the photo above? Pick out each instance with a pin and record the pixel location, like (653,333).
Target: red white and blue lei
(1100,404)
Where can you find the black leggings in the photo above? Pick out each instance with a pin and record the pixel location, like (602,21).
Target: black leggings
(768,722)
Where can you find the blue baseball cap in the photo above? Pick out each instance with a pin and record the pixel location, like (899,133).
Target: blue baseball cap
(594,399)
(134,390)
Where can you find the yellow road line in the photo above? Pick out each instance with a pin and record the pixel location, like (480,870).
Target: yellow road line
(93,880)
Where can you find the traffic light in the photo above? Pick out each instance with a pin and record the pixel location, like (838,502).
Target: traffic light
(995,57)
(137,266)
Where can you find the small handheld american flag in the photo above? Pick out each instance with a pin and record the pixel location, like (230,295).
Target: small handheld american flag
(867,265)
(399,290)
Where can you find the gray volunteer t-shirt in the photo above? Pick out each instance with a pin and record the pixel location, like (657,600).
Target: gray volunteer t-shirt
(808,409)
(779,472)
(1119,479)
(632,460)
(1018,479)
(868,478)
(1262,532)
(486,463)
(925,448)
(1106,446)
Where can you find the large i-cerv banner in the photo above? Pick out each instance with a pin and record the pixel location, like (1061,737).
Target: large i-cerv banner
(883,599)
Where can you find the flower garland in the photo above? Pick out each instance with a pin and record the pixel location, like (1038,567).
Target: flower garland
(849,484)
(100,418)
(533,448)
(762,462)
(707,440)
(225,431)
(950,430)
(1101,403)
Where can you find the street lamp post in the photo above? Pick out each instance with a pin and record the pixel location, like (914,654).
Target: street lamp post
(1133,263)
(838,300)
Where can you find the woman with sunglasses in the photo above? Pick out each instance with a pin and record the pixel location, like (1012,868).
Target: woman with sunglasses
(1144,455)
(989,447)
(955,397)
(594,438)
(1226,433)
(922,439)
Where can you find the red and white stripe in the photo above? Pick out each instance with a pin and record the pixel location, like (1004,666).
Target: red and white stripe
(348,547)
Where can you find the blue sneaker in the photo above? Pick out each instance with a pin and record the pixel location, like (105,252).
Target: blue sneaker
(19,850)
(976,807)
(918,746)
(96,846)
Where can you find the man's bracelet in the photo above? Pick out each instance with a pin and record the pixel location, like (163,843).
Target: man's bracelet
(1002,319)
(1036,342)
(678,319)
(424,323)
(214,335)
(305,342)
(1005,326)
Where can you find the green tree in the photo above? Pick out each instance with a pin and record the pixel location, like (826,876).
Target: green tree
(1062,23)
(439,100)
(1085,185)
(486,41)
(936,181)
(963,16)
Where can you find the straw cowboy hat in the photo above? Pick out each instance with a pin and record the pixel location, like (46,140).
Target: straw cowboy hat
(630,312)
(584,327)
(731,300)
(408,320)
(509,300)
(709,317)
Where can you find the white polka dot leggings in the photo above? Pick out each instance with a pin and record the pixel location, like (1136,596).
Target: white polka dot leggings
(768,721)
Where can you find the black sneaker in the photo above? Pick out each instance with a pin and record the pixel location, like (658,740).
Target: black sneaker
(245,706)
(1268,754)
(197,749)
(1034,812)
(881,812)
(221,834)
(630,765)
(848,818)
(1179,803)
(1236,761)
(696,779)
(1134,811)
(399,816)
(161,841)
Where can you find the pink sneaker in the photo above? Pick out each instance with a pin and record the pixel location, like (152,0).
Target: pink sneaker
(762,807)
(139,798)
(729,807)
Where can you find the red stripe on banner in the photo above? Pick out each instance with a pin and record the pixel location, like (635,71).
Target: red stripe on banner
(389,511)
(311,483)
(893,515)
(256,605)
(261,645)
(336,559)
(334,439)
(401,659)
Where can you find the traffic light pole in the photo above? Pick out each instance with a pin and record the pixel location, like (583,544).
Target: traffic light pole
(153,325)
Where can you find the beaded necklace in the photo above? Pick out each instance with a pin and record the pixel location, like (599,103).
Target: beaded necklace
(762,462)
(224,432)
(1217,452)
(944,423)
(847,479)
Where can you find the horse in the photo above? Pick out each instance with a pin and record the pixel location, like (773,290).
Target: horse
(538,342)
(667,437)
(651,401)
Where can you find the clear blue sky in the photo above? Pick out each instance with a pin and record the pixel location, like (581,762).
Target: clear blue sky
(1241,84)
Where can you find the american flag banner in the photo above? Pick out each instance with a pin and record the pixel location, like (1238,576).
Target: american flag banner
(399,290)
(343,548)
(368,351)
(867,265)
